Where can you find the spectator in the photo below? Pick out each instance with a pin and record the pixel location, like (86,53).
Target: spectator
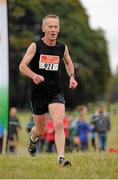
(82,128)
(72,130)
(92,136)
(101,122)
(13,133)
(66,123)
(50,136)
(41,144)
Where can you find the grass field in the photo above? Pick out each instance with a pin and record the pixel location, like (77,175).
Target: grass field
(91,165)
(44,166)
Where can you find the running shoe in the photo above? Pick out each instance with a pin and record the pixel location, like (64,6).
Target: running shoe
(64,163)
(32,147)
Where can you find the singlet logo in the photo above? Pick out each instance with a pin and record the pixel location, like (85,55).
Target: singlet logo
(49,62)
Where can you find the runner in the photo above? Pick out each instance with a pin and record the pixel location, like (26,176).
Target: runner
(45,58)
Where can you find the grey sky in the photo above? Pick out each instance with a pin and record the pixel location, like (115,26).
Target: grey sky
(103,14)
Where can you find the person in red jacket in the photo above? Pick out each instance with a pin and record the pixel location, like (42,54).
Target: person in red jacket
(50,136)
(66,124)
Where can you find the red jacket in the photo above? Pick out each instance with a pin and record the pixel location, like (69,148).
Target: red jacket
(49,133)
(66,123)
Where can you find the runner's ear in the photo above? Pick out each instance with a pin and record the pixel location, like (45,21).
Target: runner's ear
(43,29)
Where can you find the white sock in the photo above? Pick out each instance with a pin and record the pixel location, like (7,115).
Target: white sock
(33,139)
(60,157)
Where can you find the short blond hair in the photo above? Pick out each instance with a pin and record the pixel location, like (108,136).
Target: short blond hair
(80,108)
(49,16)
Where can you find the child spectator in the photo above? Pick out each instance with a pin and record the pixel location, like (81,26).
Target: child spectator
(93,136)
(82,127)
(101,122)
(73,139)
(66,123)
(50,136)
(13,132)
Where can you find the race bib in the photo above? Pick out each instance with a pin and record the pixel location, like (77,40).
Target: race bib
(49,62)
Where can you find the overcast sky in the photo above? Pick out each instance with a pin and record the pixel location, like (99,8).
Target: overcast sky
(104,14)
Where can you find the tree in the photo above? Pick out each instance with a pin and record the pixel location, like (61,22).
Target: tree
(112,89)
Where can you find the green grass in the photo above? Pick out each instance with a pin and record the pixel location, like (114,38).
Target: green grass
(91,165)
(44,166)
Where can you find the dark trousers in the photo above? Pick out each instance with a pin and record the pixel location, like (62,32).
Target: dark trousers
(102,137)
(93,142)
(84,146)
(50,146)
(41,144)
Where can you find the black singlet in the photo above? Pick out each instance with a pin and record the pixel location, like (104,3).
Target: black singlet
(47,62)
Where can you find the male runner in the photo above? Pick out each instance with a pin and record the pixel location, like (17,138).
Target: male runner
(45,58)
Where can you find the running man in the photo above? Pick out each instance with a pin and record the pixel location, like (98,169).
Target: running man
(45,57)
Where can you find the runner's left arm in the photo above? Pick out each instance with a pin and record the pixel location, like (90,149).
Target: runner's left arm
(70,69)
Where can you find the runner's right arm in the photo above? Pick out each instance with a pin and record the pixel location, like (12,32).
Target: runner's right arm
(23,67)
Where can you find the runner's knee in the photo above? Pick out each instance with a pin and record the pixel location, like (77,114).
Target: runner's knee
(58,124)
(38,131)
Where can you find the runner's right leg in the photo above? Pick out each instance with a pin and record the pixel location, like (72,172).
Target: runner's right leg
(36,132)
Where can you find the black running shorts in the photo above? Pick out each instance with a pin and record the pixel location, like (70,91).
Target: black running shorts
(39,105)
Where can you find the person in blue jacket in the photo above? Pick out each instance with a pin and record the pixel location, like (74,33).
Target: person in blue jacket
(82,128)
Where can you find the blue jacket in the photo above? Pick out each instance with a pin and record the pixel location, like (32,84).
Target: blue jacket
(82,131)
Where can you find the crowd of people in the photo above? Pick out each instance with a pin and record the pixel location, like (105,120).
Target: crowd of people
(79,131)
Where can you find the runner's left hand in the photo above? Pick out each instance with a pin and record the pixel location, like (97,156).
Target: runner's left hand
(73,83)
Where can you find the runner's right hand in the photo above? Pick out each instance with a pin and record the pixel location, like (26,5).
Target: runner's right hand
(37,79)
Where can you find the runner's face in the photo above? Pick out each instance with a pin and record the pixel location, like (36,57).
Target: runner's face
(51,28)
